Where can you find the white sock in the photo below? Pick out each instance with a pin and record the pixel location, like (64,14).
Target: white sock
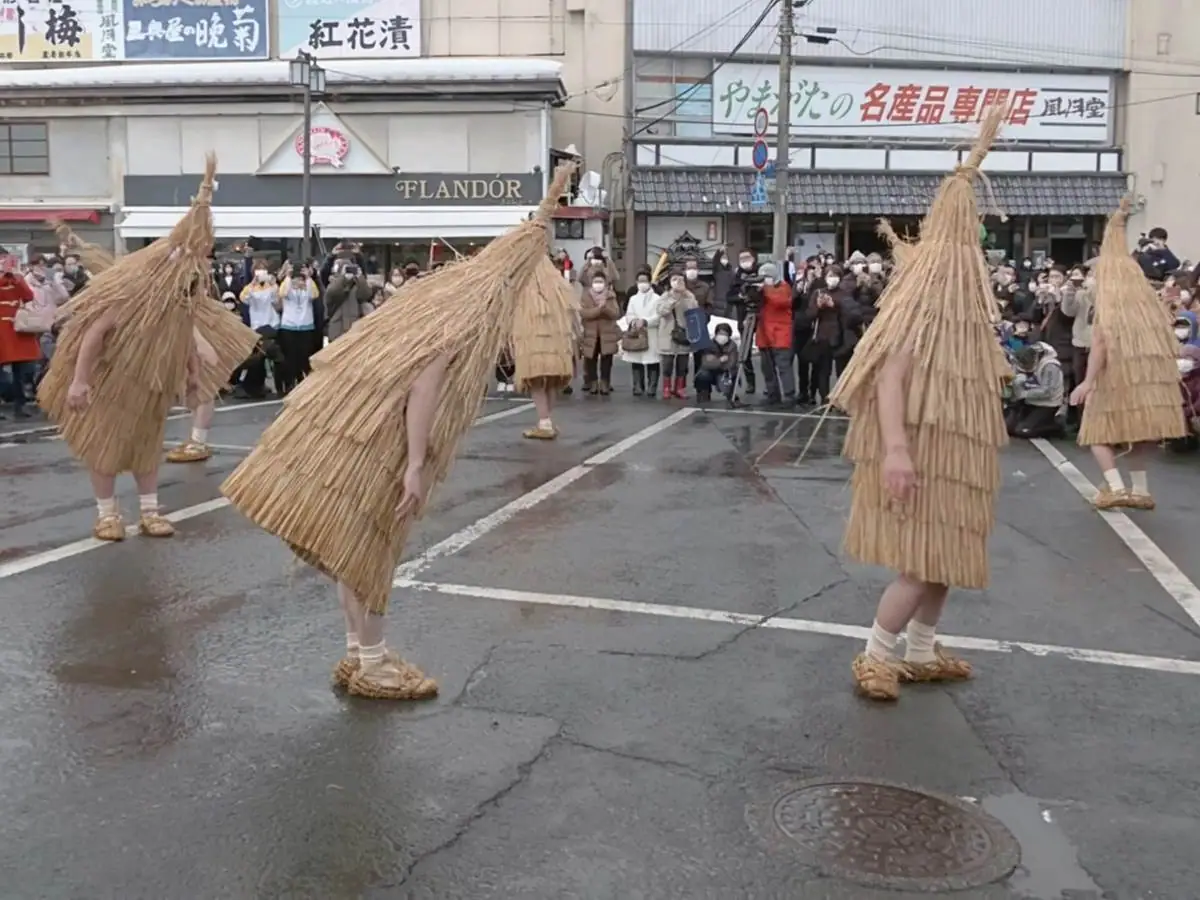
(545,424)
(881,643)
(371,655)
(106,507)
(148,503)
(200,435)
(1113,479)
(351,644)
(1138,483)
(918,642)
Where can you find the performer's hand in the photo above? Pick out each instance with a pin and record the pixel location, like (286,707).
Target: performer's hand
(414,490)
(899,476)
(78,396)
(1080,395)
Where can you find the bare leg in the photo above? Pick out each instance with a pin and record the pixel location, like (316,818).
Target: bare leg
(876,670)
(543,402)
(109,526)
(1112,493)
(924,659)
(150,522)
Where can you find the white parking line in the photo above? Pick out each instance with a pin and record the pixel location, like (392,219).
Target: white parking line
(1181,588)
(473,532)
(75,548)
(175,416)
(808,626)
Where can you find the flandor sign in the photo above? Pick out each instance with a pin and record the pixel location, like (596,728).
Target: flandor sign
(327,146)
(917,104)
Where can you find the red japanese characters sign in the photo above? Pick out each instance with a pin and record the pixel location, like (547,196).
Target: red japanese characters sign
(916,104)
(327,146)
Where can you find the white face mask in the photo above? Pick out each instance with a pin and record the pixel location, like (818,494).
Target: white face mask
(397,280)
(260,274)
(599,286)
(721,339)
(1089,281)
(746,264)
(857,268)
(1185,296)
(875,268)
(1183,333)
(768,281)
(724,260)
(832,281)
(644,287)
(693,274)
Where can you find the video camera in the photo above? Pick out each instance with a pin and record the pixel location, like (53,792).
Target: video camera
(748,289)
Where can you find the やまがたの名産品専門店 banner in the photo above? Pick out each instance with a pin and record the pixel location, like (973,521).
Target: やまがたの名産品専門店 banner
(835,101)
(195,29)
(350,29)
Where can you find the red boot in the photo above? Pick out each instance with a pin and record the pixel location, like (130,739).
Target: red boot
(680,390)
(667,393)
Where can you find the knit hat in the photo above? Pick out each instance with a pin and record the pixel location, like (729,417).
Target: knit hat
(768,270)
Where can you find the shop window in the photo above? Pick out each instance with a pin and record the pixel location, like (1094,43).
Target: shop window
(673,97)
(568,229)
(24,148)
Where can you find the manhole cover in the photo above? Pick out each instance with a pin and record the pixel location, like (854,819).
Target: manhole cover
(885,835)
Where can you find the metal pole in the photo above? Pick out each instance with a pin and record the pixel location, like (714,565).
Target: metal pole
(306,179)
(629,263)
(786,31)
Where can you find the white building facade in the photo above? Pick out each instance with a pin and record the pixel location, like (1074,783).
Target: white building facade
(886,97)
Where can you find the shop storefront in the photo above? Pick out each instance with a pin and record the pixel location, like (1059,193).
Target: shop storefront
(873,142)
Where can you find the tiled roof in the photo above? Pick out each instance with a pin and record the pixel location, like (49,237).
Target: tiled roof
(686,191)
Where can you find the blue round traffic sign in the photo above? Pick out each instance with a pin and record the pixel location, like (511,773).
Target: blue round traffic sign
(759,156)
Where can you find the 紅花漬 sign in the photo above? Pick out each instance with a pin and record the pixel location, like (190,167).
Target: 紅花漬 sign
(195,29)
(350,29)
(832,102)
(53,31)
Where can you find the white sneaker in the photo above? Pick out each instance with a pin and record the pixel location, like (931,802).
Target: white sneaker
(501,387)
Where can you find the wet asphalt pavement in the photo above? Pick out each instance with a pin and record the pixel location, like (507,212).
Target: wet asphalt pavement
(606,729)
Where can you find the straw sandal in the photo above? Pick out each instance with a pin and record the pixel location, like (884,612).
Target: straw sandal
(946,667)
(1107,498)
(875,679)
(155,525)
(538,433)
(109,528)
(345,670)
(189,451)
(1139,501)
(391,679)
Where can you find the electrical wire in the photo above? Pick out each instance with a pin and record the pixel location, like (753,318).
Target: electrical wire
(687,94)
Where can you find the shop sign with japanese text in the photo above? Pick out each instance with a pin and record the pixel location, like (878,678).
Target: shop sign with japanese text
(350,29)
(917,104)
(195,29)
(53,31)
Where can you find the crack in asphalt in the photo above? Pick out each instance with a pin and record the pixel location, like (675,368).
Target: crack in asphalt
(682,768)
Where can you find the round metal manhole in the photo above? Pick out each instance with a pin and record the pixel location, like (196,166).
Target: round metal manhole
(886,835)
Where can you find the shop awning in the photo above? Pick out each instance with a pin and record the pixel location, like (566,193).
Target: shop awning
(38,214)
(681,191)
(359,222)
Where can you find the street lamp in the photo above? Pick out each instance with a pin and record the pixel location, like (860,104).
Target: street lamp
(305,73)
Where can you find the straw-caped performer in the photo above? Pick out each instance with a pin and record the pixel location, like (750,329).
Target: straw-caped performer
(544,340)
(924,394)
(346,469)
(130,347)
(1130,394)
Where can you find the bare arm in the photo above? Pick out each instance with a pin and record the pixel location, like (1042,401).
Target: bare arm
(91,346)
(891,387)
(421,408)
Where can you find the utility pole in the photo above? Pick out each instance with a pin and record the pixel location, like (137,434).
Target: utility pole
(787,30)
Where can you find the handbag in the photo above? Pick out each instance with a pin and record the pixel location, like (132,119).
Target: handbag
(635,340)
(34,320)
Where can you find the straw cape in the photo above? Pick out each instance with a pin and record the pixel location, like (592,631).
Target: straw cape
(901,248)
(938,308)
(95,259)
(1137,392)
(147,301)
(544,334)
(327,475)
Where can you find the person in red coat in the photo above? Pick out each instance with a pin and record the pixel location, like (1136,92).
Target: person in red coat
(774,336)
(18,350)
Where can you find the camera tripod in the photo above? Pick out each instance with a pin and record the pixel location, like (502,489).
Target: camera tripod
(745,351)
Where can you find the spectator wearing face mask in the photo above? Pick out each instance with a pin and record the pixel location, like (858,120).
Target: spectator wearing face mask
(745,273)
(722,281)
(258,298)
(673,342)
(1038,393)
(599,312)
(774,337)
(1156,258)
(1080,305)
(831,320)
(597,259)
(641,316)
(347,298)
(1057,326)
(718,366)
(702,291)
(394,283)
(19,351)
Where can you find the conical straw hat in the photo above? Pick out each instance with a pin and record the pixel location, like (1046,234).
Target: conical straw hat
(95,259)
(898,246)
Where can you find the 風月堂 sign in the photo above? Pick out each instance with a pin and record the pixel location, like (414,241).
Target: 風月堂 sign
(919,104)
(195,29)
(350,29)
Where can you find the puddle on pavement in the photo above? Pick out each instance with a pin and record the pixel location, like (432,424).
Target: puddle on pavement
(773,443)
(1049,867)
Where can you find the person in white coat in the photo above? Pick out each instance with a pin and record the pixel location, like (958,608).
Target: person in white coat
(641,336)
